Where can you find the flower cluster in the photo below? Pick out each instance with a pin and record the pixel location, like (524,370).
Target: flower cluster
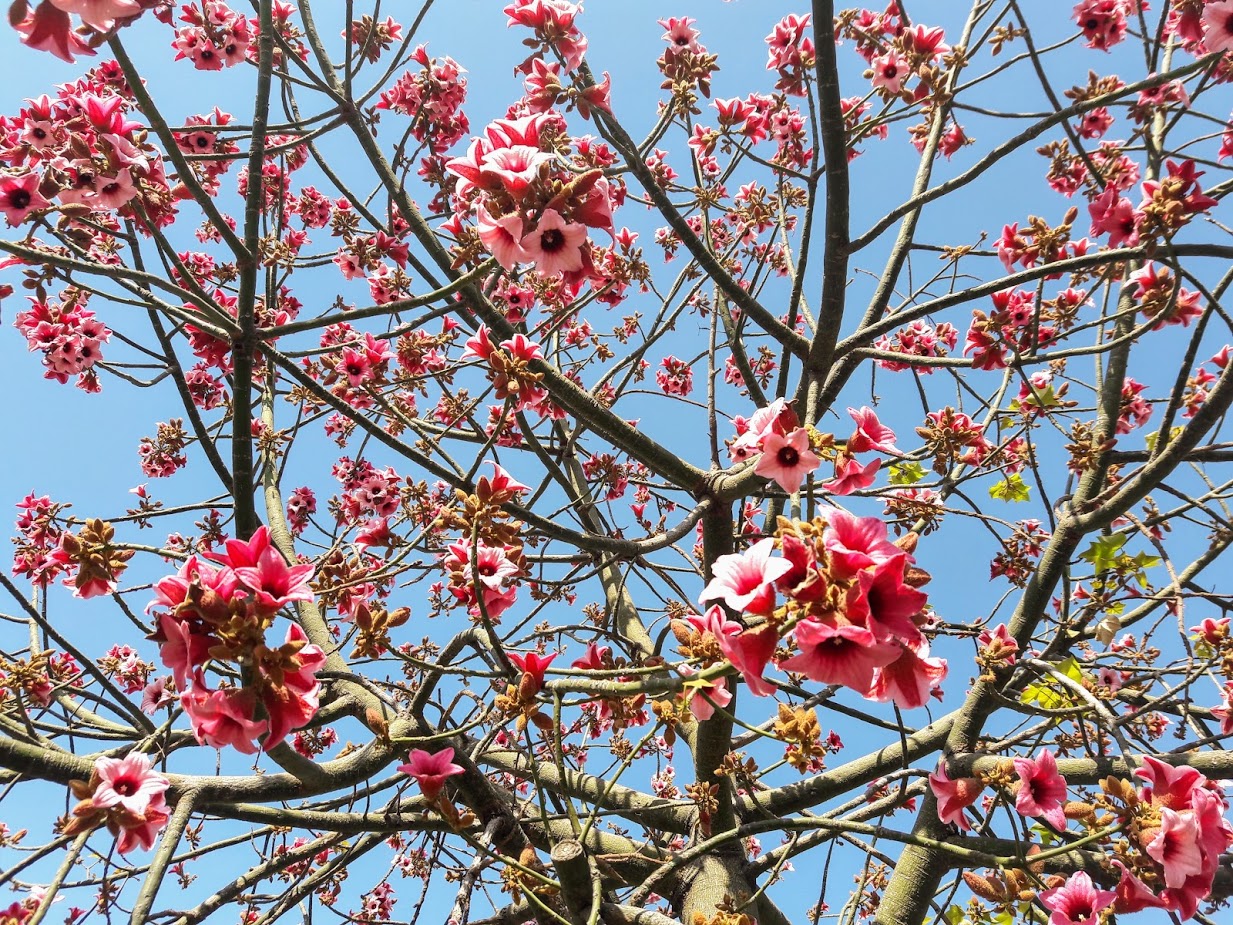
(918,339)
(483,566)
(80,153)
(221,613)
(125,794)
(214,36)
(1167,204)
(1173,823)
(775,433)
(69,336)
(433,99)
(852,610)
(529,206)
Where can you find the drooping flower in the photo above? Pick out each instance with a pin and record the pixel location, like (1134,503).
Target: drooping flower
(839,654)
(851,476)
(871,434)
(954,795)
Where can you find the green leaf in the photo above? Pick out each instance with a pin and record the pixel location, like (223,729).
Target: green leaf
(906,473)
(1012,488)
(1049,693)
(1103,553)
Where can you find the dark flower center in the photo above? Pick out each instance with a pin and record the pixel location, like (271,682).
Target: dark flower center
(19,198)
(552,240)
(788,456)
(124,787)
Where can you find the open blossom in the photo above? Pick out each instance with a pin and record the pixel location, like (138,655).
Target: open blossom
(1042,790)
(1077,902)
(129,783)
(19,196)
(745,582)
(554,245)
(787,459)
(128,796)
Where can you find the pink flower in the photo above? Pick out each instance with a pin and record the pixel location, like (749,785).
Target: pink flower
(99,13)
(787,460)
(871,434)
(954,796)
(431,771)
(128,782)
(513,169)
(1218,25)
(910,679)
(750,652)
(502,237)
(705,696)
(745,582)
(851,476)
(1042,790)
(274,583)
(855,543)
(554,245)
(889,71)
(142,831)
(533,667)
(1077,902)
(19,196)
(881,601)
(844,654)
(183,649)
(49,28)
(1176,847)
(223,717)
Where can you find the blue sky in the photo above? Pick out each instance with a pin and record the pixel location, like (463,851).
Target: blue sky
(82,448)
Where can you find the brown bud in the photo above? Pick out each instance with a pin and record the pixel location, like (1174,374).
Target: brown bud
(983,887)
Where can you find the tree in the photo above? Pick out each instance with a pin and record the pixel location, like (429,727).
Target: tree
(546,500)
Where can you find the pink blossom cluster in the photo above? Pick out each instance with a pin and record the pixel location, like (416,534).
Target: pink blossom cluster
(221,613)
(1179,193)
(125,794)
(791,53)
(433,98)
(906,63)
(214,36)
(510,371)
(40,532)
(1174,822)
(555,30)
(486,587)
(852,610)
(367,490)
(81,153)
(774,432)
(69,336)
(529,208)
(1103,22)
(1010,327)
(674,377)
(918,339)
